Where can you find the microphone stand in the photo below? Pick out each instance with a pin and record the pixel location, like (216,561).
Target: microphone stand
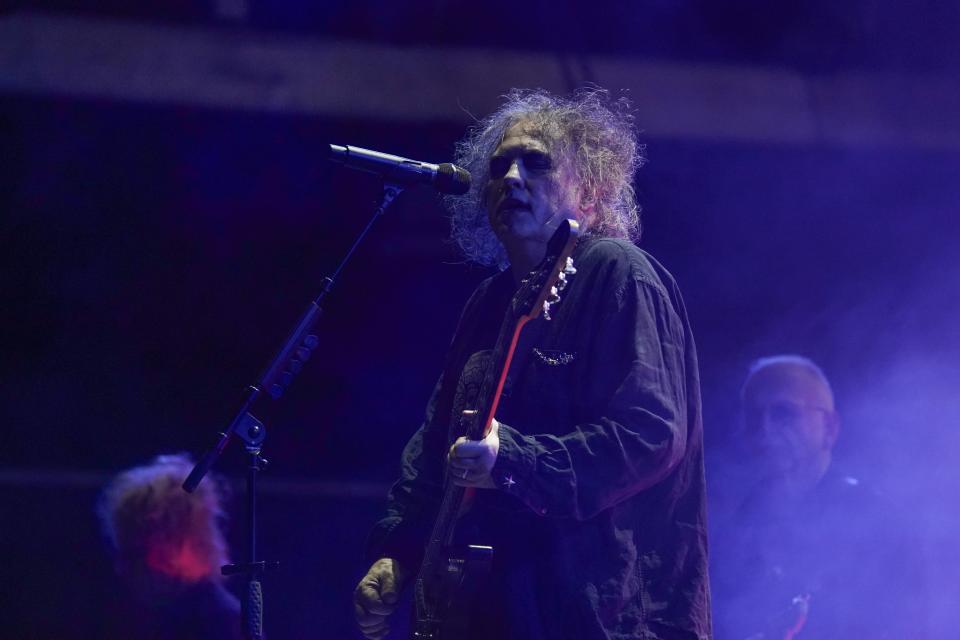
(283,368)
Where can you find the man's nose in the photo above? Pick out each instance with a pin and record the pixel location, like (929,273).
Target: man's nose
(514,175)
(760,423)
(768,425)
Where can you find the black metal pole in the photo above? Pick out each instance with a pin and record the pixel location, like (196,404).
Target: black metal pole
(253,598)
(277,377)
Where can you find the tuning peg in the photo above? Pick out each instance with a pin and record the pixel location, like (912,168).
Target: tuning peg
(569,268)
(554,296)
(561,281)
(546,310)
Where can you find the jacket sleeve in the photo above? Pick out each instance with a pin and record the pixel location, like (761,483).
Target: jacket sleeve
(413,499)
(636,432)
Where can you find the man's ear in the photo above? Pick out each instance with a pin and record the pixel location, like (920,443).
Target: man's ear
(832,424)
(588,210)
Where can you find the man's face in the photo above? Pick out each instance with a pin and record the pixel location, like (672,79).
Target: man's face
(790,423)
(531,188)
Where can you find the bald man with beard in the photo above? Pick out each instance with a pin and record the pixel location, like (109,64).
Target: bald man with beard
(807,552)
(790,425)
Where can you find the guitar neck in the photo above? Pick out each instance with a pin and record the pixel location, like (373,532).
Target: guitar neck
(537,292)
(485,406)
(491,389)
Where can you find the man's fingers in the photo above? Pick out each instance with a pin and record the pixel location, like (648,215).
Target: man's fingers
(364,617)
(379,608)
(368,597)
(375,598)
(367,592)
(377,635)
(460,464)
(388,588)
(373,626)
(455,450)
(469,462)
(359,613)
(467,449)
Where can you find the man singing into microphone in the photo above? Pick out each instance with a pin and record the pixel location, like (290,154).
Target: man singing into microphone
(589,486)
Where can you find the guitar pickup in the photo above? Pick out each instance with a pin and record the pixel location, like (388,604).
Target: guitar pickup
(470,559)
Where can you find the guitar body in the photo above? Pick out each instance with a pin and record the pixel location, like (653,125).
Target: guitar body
(449,579)
(452,589)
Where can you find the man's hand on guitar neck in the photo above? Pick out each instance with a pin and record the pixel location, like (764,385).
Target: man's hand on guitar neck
(376,597)
(471,461)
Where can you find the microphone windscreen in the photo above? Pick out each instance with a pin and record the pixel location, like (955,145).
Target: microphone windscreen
(452,179)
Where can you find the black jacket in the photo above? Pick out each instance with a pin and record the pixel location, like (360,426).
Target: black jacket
(598,522)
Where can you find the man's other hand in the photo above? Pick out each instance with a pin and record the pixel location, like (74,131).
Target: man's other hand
(470,461)
(376,597)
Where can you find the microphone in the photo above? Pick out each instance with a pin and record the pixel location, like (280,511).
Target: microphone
(445,178)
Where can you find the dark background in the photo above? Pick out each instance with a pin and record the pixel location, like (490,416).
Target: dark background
(154,256)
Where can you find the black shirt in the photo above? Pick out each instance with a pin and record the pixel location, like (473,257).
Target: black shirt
(835,563)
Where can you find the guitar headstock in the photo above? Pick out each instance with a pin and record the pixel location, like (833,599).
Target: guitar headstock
(540,291)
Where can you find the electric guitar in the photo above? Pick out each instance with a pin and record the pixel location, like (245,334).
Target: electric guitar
(448,578)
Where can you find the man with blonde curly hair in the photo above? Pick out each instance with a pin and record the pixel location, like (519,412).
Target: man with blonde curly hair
(589,486)
(167,547)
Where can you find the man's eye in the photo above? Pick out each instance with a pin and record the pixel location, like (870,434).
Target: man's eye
(537,162)
(498,167)
(784,412)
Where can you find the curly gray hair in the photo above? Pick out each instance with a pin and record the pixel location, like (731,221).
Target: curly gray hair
(593,130)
